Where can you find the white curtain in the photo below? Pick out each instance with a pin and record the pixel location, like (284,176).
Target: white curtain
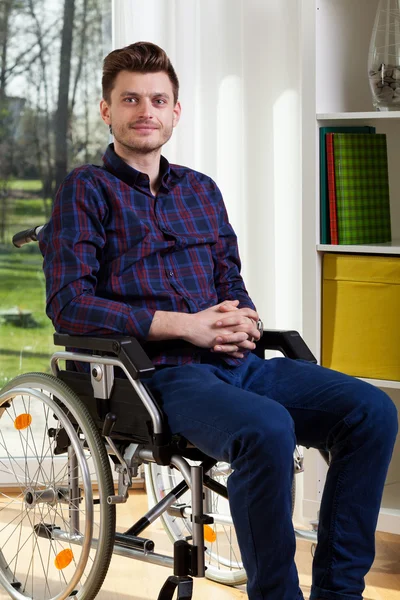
(238,62)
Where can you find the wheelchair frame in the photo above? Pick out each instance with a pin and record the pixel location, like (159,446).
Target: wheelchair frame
(145,440)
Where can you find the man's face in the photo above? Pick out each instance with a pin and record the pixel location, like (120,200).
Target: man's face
(142,112)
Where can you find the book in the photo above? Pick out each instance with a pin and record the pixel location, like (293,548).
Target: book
(330,160)
(362,188)
(324,200)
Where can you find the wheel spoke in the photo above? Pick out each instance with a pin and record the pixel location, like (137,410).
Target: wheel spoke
(35,452)
(3,445)
(29,463)
(17,525)
(12,501)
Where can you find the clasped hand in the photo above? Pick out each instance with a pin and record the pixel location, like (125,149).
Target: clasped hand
(225,328)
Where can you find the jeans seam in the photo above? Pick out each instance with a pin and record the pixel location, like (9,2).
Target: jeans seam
(333,528)
(325,594)
(251,529)
(308,408)
(255,558)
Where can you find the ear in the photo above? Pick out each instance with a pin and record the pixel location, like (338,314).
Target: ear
(177,114)
(105,112)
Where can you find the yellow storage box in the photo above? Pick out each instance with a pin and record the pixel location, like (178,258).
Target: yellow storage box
(361,315)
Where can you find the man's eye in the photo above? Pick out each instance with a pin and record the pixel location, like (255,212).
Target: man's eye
(160,101)
(130,100)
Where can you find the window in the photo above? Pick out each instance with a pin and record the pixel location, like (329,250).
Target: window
(51,54)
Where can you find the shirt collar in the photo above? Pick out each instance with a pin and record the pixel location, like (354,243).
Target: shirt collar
(116,165)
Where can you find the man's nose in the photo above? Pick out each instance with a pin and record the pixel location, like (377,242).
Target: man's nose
(145,108)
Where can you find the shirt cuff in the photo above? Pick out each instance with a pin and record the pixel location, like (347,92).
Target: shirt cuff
(139,323)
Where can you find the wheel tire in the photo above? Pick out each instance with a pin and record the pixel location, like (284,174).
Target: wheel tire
(45,400)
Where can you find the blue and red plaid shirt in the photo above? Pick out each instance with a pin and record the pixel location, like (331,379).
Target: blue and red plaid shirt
(114,254)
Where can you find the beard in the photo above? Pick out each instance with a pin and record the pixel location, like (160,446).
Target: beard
(134,142)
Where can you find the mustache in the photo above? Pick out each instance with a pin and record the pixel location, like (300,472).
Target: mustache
(143,124)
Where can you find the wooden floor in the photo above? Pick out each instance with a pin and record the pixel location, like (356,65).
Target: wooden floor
(133,580)
(129,579)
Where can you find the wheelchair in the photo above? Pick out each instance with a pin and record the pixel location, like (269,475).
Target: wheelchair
(60,436)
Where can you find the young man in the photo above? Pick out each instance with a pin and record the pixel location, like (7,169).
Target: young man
(143,248)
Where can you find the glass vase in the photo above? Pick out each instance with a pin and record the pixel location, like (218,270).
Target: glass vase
(384,57)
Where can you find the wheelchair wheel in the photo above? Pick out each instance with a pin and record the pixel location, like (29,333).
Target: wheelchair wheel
(223,560)
(56,532)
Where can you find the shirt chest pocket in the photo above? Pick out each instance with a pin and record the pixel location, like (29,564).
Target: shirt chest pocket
(191,224)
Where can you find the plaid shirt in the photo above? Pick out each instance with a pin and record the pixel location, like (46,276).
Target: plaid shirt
(114,254)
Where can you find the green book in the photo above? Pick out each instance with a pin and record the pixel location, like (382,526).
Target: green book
(362,188)
(324,199)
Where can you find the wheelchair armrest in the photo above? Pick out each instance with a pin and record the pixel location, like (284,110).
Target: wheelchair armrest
(290,343)
(127,349)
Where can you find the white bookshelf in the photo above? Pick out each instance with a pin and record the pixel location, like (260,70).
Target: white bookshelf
(392,247)
(383,383)
(353,116)
(335,91)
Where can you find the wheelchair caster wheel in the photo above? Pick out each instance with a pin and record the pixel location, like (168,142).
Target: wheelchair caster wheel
(183,585)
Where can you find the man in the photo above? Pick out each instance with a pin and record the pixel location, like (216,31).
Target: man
(143,248)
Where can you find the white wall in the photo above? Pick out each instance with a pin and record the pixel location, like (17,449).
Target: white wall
(238,62)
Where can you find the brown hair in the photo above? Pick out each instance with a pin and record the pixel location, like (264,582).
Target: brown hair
(141,57)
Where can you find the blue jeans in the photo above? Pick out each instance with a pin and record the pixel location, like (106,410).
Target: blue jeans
(251,416)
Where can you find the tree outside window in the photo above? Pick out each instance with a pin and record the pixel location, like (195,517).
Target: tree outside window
(51,54)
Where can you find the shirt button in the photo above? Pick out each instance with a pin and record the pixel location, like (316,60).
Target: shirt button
(171,273)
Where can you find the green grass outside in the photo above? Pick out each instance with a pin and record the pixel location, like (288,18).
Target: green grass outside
(31,207)
(27,185)
(24,212)
(22,285)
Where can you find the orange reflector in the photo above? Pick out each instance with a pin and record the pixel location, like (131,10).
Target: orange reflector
(23,421)
(63,559)
(209,534)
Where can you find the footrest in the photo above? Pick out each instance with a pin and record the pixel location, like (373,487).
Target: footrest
(183,585)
